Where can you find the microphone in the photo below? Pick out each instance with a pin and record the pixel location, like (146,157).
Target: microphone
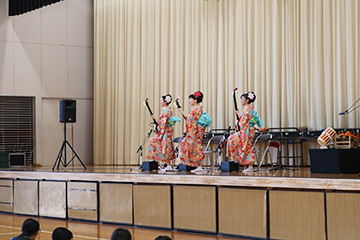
(343,113)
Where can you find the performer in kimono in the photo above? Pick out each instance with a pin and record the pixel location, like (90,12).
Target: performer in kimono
(160,146)
(191,150)
(239,145)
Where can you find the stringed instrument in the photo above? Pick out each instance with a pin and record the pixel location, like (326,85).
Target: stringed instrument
(177,105)
(236,108)
(156,127)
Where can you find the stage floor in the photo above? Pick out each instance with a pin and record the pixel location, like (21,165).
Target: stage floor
(253,205)
(264,172)
(294,178)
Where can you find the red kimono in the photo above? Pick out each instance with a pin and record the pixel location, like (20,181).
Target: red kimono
(161,147)
(240,145)
(191,150)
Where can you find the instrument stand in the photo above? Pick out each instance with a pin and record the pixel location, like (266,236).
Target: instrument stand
(176,153)
(278,167)
(279,159)
(218,157)
(62,154)
(281,168)
(140,149)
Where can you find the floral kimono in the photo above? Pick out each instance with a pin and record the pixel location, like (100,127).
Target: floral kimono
(240,145)
(191,150)
(160,146)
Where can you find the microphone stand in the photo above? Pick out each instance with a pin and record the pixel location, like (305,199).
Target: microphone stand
(349,110)
(219,151)
(141,147)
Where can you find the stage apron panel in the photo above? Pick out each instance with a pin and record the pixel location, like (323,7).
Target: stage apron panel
(6,196)
(82,200)
(52,199)
(195,208)
(26,197)
(116,202)
(242,212)
(343,211)
(152,205)
(297,215)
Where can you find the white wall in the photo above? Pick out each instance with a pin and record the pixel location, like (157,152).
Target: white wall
(48,54)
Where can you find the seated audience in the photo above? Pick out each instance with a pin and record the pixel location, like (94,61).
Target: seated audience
(61,233)
(163,238)
(121,234)
(30,230)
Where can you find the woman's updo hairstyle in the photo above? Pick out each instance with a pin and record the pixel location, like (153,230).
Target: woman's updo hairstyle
(198,96)
(167,98)
(249,96)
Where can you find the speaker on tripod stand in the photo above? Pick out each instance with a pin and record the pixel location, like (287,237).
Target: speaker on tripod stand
(67,115)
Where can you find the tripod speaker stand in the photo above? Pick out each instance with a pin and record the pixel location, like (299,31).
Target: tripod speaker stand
(67,114)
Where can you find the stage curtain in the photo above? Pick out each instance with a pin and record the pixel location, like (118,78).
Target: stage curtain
(301,58)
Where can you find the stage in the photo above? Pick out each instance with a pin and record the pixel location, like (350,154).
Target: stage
(298,178)
(282,204)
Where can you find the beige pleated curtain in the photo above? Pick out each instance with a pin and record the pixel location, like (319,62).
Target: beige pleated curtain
(300,57)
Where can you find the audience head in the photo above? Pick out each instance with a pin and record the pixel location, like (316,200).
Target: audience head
(198,96)
(163,238)
(121,234)
(30,228)
(61,233)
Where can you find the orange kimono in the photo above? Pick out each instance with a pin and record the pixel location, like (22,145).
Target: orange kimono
(191,150)
(160,146)
(240,145)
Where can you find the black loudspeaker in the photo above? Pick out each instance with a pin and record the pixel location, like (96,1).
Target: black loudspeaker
(186,168)
(67,111)
(149,165)
(17,159)
(229,166)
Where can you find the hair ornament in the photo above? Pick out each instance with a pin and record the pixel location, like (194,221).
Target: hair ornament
(250,95)
(197,94)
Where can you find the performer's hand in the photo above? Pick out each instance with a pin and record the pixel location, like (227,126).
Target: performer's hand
(180,109)
(153,117)
(262,129)
(237,112)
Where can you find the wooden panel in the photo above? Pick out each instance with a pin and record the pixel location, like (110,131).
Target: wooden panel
(5,207)
(195,208)
(152,205)
(52,199)
(343,211)
(82,195)
(119,197)
(82,185)
(6,182)
(82,214)
(26,197)
(6,196)
(297,215)
(242,212)
(82,200)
